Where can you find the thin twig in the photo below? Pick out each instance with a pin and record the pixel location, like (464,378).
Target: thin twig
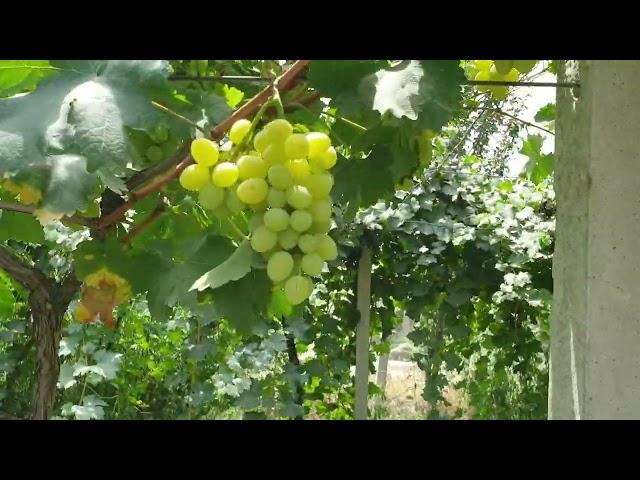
(237,229)
(135,231)
(17,207)
(502,112)
(177,115)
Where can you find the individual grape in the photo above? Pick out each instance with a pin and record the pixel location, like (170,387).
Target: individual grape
(319,185)
(321,227)
(251,166)
(299,169)
(279,266)
(503,66)
(299,197)
(329,158)
(154,153)
(260,141)
(307,243)
(276,198)
(512,76)
(225,174)
(318,143)
(278,130)
(204,152)
(499,92)
(233,202)
(288,239)
(263,239)
(296,146)
(276,219)
(524,66)
(483,75)
(274,154)
(297,289)
(211,197)
(316,165)
(483,65)
(321,209)
(194,177)
(312,264)
(239,130)
(280,177)
(300,220)
(252,191)
(326,247)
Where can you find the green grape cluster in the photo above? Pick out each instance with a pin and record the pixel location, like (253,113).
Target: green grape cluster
(499,70)
(285,181)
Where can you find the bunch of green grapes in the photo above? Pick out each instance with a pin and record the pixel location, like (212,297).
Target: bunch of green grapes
(499,70)
(285,182)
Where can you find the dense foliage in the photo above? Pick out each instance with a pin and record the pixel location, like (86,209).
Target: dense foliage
(198,330)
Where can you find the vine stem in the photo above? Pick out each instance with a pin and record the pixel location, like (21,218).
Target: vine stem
(135,231)
(237,229)
(17,207)
(277,101)
(174,170)
(221,78)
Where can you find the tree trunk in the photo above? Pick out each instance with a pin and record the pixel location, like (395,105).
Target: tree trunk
(49,302)
(362,334)
(47,331)
(381,377)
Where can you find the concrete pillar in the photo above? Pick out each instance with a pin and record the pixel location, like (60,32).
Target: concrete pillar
(595,324)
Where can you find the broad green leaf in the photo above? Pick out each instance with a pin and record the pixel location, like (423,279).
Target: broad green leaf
(353,190)
(74,126)
(20,75)
(340,79)
(546,113)
(234,268)
(540,165)
(396,90)
(20,227)
(108,363)
(279,306)
(244,301)
(66,378)
(425,91)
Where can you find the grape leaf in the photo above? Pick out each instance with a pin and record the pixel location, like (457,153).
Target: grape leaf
(73,126)
(396,90)
(426,91)
(540,165)
(279,306)
(340,80)
(243,301)
(546,113)
(374,168)
(20,227)
(234,268)
(20,75)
